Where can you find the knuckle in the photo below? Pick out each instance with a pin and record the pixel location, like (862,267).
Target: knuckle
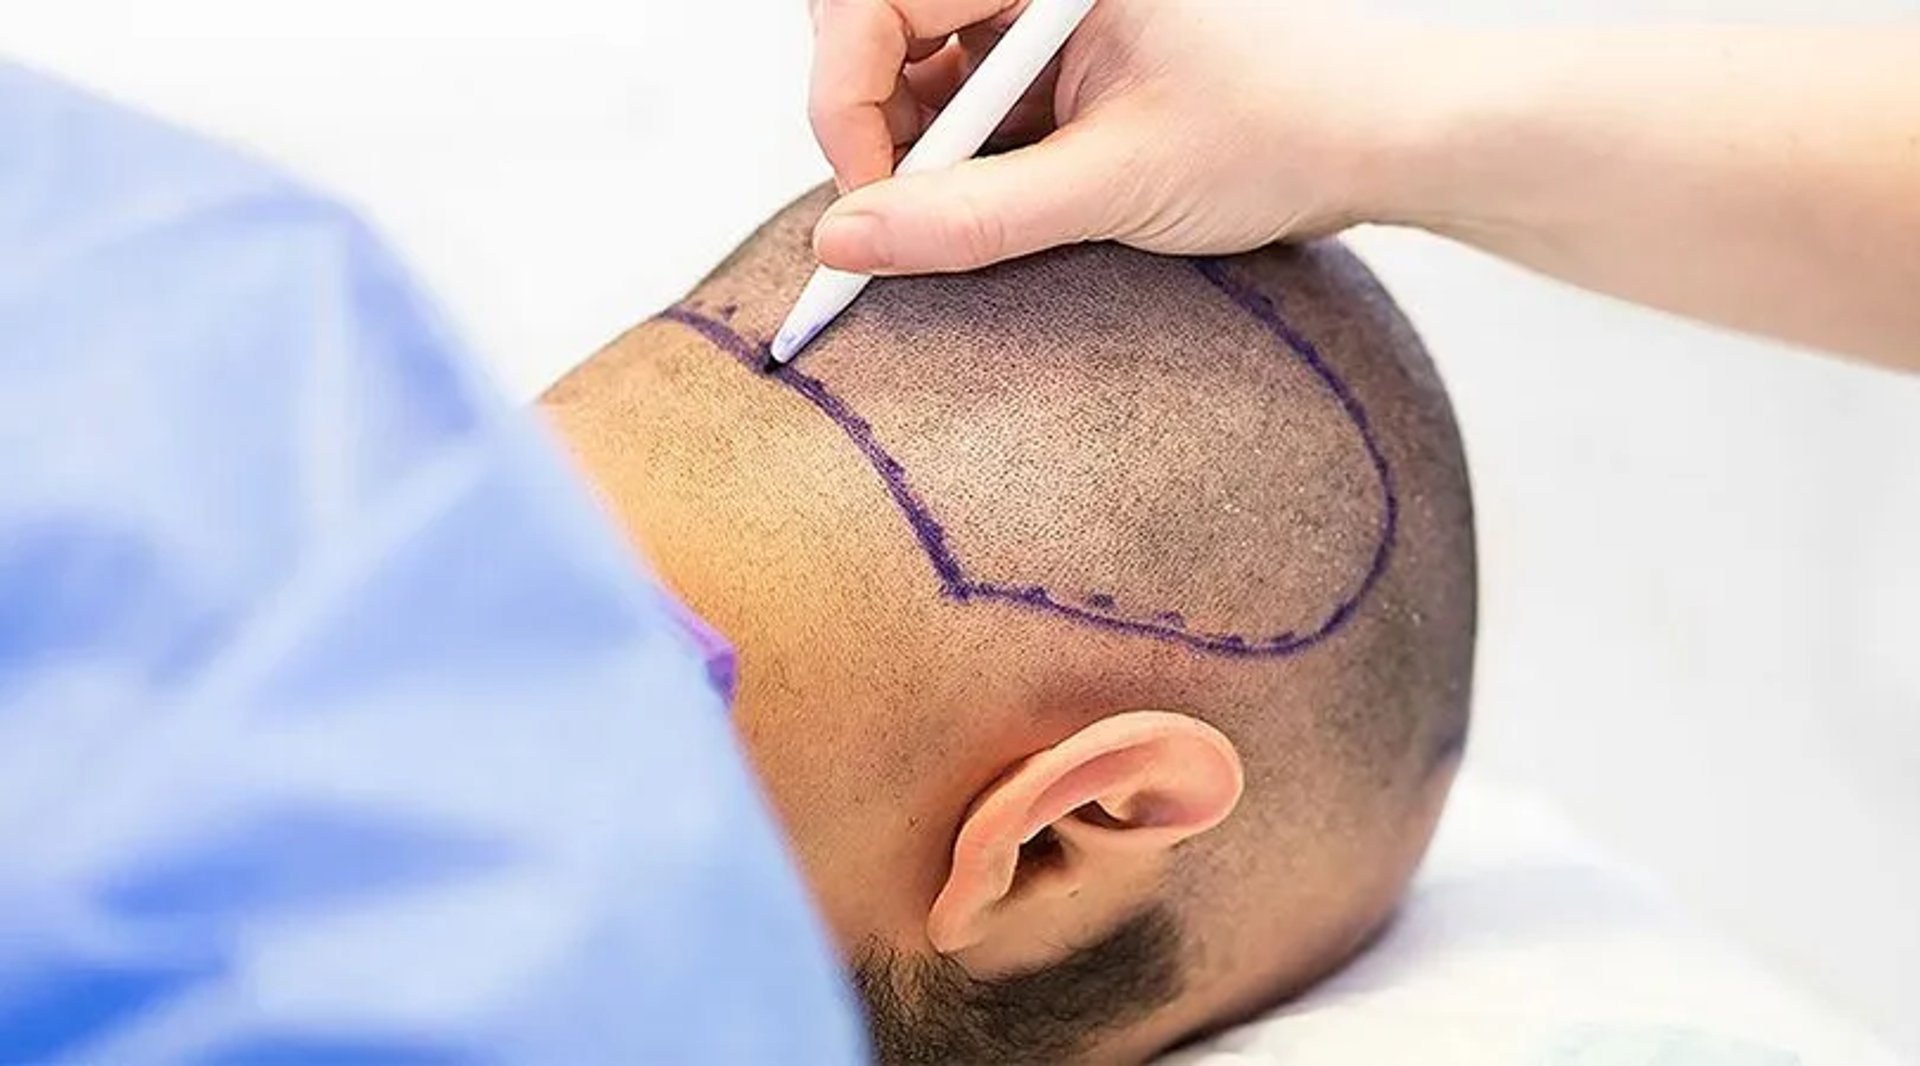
(822,106)
(976,232)
(824,118)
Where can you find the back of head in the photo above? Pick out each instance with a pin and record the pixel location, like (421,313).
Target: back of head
(985,514)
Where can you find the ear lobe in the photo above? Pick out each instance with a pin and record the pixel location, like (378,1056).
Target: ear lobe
(1071,839)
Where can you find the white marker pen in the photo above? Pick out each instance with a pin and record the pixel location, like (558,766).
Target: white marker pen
(955,134)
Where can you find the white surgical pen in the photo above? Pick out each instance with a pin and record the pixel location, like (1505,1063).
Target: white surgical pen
(955,134)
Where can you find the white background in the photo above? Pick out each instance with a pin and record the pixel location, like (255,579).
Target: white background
(1701,614)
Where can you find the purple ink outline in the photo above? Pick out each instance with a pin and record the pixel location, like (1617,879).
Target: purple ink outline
(1168,625)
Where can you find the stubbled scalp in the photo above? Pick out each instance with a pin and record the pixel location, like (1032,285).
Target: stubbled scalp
(1248,459)
(1215,453)
(1245,407)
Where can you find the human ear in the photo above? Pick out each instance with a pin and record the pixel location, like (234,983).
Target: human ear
(1070,840)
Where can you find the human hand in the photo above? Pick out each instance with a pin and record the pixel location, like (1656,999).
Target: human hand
(1172,125)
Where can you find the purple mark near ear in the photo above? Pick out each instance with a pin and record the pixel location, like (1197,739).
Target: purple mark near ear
(1099,608)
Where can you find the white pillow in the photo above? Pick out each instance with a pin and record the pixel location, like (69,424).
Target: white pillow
(1520,945)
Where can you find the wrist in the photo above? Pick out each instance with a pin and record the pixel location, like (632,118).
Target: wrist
(1449,151)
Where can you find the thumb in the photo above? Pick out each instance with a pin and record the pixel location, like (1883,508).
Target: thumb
(981,211)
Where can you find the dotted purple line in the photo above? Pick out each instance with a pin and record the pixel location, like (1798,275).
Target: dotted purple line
(1096,609)
(1263,310)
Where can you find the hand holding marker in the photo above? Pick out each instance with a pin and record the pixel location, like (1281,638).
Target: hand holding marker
(1755,177)
(959,131)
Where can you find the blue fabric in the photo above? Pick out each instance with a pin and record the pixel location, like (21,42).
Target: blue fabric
(336,724)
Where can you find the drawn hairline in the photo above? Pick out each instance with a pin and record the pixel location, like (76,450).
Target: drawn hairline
(1167,625)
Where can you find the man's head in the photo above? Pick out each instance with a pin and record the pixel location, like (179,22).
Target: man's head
(1104,620)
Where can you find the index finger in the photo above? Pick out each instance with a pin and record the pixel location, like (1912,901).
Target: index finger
(860,48)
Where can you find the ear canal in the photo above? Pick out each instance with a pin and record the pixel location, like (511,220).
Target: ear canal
(1041,852)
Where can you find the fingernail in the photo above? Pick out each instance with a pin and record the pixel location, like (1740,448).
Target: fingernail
(855,239)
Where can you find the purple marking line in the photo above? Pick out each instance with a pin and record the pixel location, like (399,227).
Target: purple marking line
(1262,309)
(933,539)
(1167,625)
(1219,643)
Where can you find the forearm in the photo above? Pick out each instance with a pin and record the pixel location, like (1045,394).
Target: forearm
(1767,180)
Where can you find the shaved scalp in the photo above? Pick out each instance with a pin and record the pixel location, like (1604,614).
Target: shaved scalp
(1193,451)
(1225,445)
(1231,487)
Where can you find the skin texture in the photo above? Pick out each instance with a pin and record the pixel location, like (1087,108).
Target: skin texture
(982,789)
(1754,177)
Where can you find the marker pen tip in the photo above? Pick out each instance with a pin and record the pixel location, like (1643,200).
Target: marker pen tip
(787,344)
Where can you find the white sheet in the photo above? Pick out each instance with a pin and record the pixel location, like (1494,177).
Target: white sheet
(1521,944)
